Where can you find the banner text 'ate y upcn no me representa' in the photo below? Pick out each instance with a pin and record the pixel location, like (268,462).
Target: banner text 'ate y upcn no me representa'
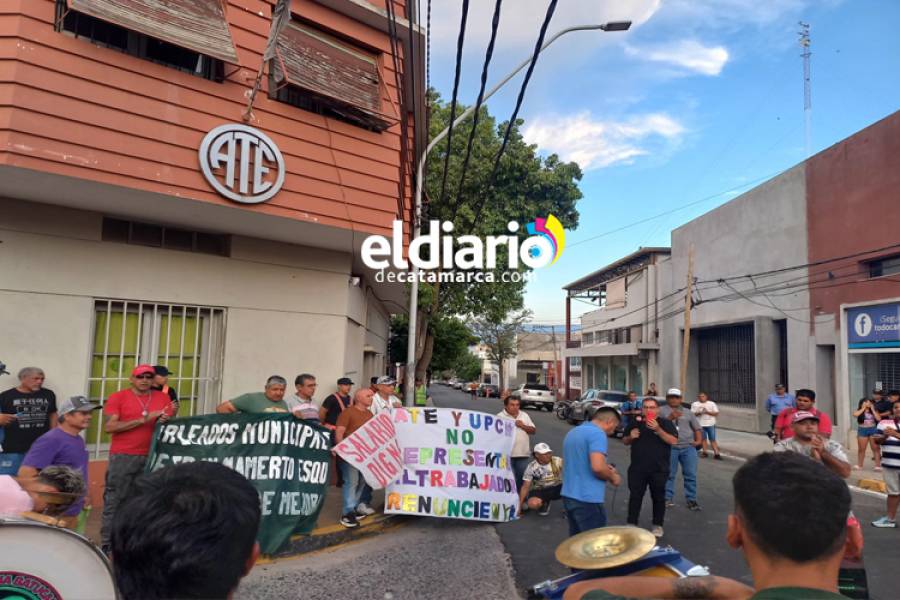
(456,464)
(285,458)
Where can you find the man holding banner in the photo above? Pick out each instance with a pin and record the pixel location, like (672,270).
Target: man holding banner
(348,422)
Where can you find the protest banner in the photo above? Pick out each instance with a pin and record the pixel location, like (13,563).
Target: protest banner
(372,449)
(285,458)
(456,464)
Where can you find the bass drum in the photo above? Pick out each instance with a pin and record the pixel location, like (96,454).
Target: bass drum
(38,561)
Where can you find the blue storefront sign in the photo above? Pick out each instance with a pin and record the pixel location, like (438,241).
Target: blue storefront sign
(874,326)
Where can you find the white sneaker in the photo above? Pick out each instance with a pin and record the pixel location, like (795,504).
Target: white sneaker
(884,522)
(362,509)
(657,531)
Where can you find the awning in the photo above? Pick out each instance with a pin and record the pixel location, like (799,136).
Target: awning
(336,73)
(197,25)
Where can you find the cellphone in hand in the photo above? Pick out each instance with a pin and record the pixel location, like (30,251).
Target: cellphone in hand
(651,415)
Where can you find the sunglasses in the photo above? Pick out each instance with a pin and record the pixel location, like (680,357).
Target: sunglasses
(144,376)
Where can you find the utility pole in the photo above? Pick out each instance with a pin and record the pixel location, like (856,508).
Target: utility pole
(688,299)
(555,360)
(807,87)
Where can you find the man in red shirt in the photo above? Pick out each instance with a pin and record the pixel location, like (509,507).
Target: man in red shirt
(131,417)
(805,401)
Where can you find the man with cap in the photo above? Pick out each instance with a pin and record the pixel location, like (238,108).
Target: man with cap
(684,451)
(777,402)
(131,416)
(331,409)
(807,441)
(542,481)
(805,400)
(384,399)
(63,445)
(161,382)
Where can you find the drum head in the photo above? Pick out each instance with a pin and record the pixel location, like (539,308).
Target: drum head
(48,563)
(605,547)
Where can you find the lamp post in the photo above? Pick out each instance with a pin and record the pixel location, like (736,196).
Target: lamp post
(409,384)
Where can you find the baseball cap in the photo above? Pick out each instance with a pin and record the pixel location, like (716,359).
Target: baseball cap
(141,369)
(803,415)
(345,381)
(76,404)
(3,370)
(162,370)
(779,386)
(674,392)
(386,380)
(878,391)
(542,448)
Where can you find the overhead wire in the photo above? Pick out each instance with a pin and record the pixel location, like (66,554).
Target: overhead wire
(489,53)
(460,41)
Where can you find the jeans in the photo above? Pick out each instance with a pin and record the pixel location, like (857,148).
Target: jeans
(688,459)
(519,464)
(709,433)
(121,473)
(583,516)
(638,482)
(10,463)
(352,491)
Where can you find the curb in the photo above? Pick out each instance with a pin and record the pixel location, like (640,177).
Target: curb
(334,535)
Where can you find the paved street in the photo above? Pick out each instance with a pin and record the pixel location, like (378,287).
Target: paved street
(700,536)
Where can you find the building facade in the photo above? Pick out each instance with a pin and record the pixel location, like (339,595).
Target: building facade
(147,216)
(619,341)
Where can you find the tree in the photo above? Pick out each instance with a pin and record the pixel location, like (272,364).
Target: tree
(452,339)
(526,186)
(467,367)
(500,337)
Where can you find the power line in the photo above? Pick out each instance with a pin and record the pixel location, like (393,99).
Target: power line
(460,40)
(495,23)
(551,8)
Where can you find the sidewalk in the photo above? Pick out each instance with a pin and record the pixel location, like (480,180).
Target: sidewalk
(740,444)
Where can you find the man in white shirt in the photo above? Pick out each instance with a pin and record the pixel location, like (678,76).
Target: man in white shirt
(521,450)
(384,399)
(706,412)
(302,404)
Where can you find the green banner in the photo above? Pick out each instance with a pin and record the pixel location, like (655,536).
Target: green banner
(286,459)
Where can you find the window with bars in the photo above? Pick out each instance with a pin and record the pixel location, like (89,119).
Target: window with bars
(188,340)
(726,364)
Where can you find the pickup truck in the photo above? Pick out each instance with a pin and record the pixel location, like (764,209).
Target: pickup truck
(534,394)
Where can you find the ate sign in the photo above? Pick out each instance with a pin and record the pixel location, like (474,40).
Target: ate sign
(242,163)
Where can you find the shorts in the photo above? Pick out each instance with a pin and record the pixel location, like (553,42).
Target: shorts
(709,433)
(892,481)
(865,432)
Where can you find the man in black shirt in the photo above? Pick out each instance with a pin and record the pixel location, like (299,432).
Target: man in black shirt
(883,405)
(651,440)
(332,407)
(27,412)
(161,382)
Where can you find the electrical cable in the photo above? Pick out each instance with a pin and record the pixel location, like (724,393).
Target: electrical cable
(460,40)
(551,8)
(489,53)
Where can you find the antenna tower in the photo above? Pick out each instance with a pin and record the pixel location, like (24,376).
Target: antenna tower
(807,91)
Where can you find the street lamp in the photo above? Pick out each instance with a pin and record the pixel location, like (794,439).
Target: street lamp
(409,385)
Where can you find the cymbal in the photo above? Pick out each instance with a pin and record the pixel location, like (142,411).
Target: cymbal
(605,547)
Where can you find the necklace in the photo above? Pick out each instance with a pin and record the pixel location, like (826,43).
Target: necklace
(144,405)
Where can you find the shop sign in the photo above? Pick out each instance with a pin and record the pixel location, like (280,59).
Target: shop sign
(874,326)
(242,163)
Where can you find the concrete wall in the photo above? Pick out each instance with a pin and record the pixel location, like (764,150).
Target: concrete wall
(289,308)
(763,229)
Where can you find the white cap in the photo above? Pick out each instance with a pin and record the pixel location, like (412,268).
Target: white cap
(674,392)
(542,448)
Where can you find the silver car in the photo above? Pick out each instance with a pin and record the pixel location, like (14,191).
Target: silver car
(534,394)
(595,399)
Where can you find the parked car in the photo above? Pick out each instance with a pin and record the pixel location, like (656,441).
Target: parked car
(596,398)
(534,394)
(488,390)
(456,384)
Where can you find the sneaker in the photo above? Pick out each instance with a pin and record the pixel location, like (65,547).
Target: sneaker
(770,435)
(692,505)
(718,457)
(657,531)
(364,509)
(349,521)
(856,467)
(884,522)
(877,469)
(670,503)
(545,509)
(704,455)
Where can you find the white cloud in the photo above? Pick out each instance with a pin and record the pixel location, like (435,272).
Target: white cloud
(685,54)
(595,143)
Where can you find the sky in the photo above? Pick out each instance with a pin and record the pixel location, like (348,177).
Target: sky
(700,101)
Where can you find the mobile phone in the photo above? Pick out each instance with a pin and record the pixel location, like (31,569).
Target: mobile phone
(651,414)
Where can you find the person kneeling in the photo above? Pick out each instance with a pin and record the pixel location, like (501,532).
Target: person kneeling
(542,481)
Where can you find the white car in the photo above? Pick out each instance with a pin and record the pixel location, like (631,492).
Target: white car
(534,394)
